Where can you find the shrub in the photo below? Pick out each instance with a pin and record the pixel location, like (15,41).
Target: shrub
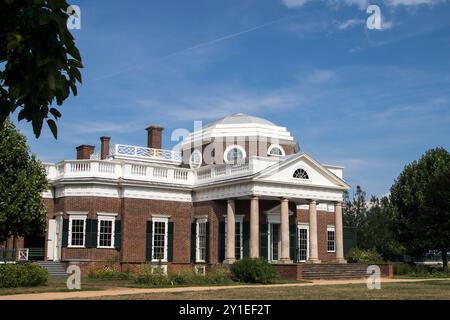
(153,278)
(421,271)
(22,275)
(218,275)
(185,277)
(109,274)
(254,271)
(356,255)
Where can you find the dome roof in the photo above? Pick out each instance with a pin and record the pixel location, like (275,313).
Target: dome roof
(240,118)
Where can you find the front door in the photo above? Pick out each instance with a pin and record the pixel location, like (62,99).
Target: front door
(274,242)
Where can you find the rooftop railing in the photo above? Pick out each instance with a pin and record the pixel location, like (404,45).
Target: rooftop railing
(134,152)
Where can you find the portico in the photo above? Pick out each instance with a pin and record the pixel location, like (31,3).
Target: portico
(279,221)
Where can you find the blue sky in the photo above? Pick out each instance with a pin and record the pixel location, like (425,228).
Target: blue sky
(370,100)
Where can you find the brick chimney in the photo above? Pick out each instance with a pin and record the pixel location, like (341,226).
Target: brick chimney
(84,152)
(104,150)
(154,140)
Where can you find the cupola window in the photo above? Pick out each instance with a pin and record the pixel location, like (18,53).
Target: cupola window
(234,154)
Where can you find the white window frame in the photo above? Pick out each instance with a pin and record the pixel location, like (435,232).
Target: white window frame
(333,229)
(273,146)
(106,217)
(191,163)
(306,227)
(229,148)
(197,240)
(77,216)
(300,179)
(237,219)
(166,237)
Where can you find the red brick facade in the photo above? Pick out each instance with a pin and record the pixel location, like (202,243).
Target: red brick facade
(134,214)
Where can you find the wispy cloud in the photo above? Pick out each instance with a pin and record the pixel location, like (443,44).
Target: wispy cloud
(350,23)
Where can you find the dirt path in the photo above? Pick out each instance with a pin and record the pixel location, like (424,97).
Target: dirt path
(128,291)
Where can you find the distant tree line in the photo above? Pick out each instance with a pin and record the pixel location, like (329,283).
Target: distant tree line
(414,219)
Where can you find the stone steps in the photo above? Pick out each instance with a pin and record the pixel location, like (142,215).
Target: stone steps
(333,271)
(54,268)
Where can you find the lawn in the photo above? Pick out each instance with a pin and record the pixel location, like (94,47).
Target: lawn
(59,285)
(435,289)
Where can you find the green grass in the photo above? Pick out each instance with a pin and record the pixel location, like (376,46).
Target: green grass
(59,285)
(439,289)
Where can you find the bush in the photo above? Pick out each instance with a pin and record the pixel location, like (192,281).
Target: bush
(356,255)
(22,275)
(218,275)
(254,271)
(185,277)
(152,278)
(420,271)
(109,274)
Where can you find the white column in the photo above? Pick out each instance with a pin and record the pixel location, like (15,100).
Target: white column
(285,232)
(313,243)
(230,254)
(339,234)
(254,227)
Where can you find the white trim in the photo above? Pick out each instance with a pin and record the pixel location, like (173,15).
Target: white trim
(106,214)
(331,228)
(166,236)
(199,153)
(305,226)
(73,215)
(273,146)
(106,217)
(197,239)
(234,146)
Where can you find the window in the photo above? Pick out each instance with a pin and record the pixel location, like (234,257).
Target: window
(77,230)
(300,174)
(105,232)
(331,239)
(195,161)
(201,240)
(234,154)
(159,241)
(303,242)
(238,236)
(276,150)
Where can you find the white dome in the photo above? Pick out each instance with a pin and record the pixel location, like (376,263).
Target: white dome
(240,118)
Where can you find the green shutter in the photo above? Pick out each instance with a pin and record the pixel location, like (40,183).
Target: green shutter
(263,232)
(91,233)
(65,233)
(293,242)
(148,248)
(193,242)
(207,242)
(117,234)
(246,238)
(170,243)
(221,242)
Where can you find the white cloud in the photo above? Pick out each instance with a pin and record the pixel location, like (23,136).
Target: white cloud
(363,4)
(350,23)
(413,2)
(321,76)
(294,3)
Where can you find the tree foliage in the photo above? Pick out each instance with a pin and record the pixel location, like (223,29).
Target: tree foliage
(22,180)
(421,197)
(374,224)
(39,63)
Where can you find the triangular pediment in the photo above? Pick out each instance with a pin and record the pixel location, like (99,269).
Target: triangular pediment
(317,175)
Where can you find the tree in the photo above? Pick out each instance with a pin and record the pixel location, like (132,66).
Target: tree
(376,230)
(354,209)
(420,196)
(437,207)
(38,59)
(22,181)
